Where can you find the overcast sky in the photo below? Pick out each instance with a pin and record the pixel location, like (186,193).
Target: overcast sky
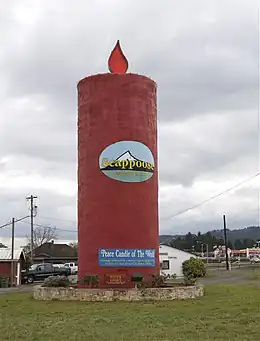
(204,57)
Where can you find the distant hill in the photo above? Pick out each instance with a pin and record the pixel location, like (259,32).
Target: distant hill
(166,238)
(251,232)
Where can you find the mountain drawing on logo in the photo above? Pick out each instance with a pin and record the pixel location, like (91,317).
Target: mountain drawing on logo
(130,166)
(127,156)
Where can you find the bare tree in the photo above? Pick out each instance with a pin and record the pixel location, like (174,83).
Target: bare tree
(74,245)
(41,235)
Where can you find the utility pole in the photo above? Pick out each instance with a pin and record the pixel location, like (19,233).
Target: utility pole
(202,249)
(12,253)
(207,251)
(32,208)
(225,241)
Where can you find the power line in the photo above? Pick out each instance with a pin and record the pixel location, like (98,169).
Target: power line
(47,227)
(258,112)
(166,218)
(32,209)
(175,215)
(38,225)
(211,198)
(185,210)
(16,221)
(59,219)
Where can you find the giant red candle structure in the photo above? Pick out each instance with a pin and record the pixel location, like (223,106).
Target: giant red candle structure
(117,176)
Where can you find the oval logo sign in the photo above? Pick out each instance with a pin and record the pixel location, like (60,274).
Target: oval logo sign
(127,161)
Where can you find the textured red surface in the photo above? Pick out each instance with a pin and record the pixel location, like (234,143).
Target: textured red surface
(113,214)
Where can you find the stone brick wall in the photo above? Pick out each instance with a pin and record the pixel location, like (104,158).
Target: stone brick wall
(110,295)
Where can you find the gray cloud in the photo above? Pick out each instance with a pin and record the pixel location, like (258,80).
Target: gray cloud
(206,144)
(204,57)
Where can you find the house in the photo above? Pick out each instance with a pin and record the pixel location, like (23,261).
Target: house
(55,253)
(6,264)
(171,260)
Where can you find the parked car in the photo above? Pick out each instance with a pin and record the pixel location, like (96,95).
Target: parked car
(73,267)
(254,260)
(39,272)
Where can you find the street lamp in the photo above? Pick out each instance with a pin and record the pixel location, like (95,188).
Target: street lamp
(207,249)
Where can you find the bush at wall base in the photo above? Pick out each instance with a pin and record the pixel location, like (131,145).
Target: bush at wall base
(193,269)
(90,281)
(5,282)
(57,281)
(158,281)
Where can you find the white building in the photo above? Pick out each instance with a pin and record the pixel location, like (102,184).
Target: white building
(219,251)
(171,260)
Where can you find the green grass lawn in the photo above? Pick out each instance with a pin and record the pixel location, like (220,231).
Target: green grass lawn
(252,274)
(225,313)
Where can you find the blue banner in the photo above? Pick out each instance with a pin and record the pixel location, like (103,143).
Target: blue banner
(126,257)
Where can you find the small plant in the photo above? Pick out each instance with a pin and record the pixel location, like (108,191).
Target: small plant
(143,285)
(193,269)
(5,282)
(158,281)
(137,277)
(57,281)
(90,280)
(170,277)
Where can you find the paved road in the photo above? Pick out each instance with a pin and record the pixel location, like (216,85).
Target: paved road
(27,287)
(22,288)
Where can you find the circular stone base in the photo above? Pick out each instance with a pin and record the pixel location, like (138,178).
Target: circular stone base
(110,295)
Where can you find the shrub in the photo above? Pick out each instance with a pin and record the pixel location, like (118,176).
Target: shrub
(5,282)
(143,284)
(170,277)
(156,281)
(57,281)
(137,277)
(90,280)
(193,269)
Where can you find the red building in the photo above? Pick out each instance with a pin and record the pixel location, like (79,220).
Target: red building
(6,264)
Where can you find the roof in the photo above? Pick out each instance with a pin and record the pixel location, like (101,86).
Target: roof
(167,247)
(52,250)
(6,254)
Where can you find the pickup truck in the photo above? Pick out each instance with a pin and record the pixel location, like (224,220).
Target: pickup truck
(73,267)
(38,272)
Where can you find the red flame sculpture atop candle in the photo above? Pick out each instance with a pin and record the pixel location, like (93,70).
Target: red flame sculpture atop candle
(117,177)
(117,62)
